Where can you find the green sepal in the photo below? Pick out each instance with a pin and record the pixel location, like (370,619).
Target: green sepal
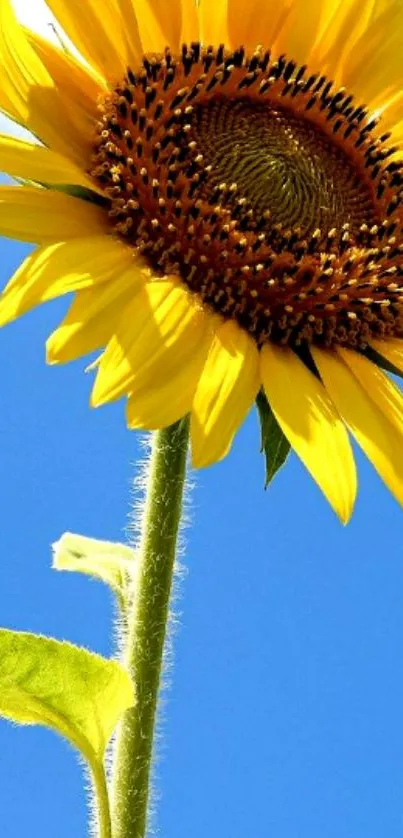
(381,362)
(112,563)
(78,694)
(78,192)
(273,442)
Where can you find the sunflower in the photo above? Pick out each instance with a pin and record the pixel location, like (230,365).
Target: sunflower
(221,186)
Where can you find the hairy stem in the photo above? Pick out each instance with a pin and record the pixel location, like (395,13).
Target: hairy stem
(147,629)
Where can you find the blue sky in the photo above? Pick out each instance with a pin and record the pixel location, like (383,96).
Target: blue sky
(285,714)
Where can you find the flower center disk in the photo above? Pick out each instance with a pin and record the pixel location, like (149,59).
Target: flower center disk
(282,165)
(266,190)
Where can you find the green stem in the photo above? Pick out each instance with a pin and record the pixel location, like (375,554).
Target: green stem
(102,800)
(147,629)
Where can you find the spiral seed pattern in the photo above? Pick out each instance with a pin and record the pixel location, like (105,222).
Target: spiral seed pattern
(282,165)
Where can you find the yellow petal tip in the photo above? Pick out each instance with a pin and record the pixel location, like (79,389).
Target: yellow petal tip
(96,400)
(50,352)
(345,516)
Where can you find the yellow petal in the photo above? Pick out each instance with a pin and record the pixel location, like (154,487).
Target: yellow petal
(311,424)
(301,29)
(60,268)
(385,394)
(391,349)
(92,318)
(190,22)
(227,389)
(213,16)
(373,68)
(38,215)
(131,33)
(28,93)
(376,435)
(343,25)
(159,329)
(254,23)
(395,125)
(28,161)
(79,82)
(159,22)
(78,89)
(166,400)
(20,68)
(97,30)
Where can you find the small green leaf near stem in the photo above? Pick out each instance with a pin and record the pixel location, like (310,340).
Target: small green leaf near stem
(111,562)
(131,772)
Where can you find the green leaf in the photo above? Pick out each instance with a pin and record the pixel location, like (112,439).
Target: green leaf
(112,563)
(75,692)
(273,442)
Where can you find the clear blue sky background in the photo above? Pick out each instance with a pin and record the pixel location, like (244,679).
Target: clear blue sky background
(285,716)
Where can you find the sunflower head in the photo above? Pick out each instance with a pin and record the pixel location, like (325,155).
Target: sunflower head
(243,233)
(263,187)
